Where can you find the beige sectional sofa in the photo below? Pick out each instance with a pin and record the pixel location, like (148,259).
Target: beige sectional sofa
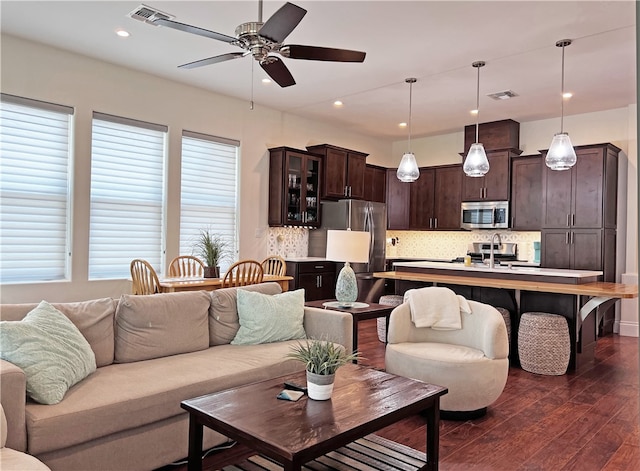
(151,352)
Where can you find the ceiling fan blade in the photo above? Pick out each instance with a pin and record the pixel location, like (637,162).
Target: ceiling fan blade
(213,60)
(282,22)
(276,69)
(314,53)
(194,30)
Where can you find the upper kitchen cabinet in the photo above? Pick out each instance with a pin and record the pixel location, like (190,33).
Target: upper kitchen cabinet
(495,184)
(294,184)
(584,196)
(496,135)
(430,203)
(375,185)
(343,170)
(526,193)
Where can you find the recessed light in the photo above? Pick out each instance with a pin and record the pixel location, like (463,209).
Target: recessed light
(122,33)
(337,103)
(266,80)
(402,125)
(567,95)
(473,111)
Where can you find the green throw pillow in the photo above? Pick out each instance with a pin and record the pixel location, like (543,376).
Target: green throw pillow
(268,318)
(51,351)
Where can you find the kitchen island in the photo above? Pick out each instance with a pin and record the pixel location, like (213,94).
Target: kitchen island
(571,293)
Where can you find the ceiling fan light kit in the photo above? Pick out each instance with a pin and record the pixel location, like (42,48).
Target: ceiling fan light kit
(408,169)
(263,41)
(561,154)
(476,164)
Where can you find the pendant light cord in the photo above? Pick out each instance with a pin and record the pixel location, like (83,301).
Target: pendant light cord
(562,92)
(478,104)
(410,99)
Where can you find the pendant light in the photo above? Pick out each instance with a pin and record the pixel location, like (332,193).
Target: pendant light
(408,168)
(561,155)
(476,163)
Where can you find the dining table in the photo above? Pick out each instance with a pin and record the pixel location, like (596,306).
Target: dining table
(194,283)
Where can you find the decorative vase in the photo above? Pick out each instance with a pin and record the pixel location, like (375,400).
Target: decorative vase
(319,387)
(346,285)
(212,272)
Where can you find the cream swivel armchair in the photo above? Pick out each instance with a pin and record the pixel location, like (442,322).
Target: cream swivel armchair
(471,362)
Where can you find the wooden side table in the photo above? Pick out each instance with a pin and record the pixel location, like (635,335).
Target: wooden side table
(372,311)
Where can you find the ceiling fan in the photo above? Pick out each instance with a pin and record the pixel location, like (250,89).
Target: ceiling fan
(263,41)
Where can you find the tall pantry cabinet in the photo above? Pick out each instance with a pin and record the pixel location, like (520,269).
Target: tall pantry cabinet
(579,214)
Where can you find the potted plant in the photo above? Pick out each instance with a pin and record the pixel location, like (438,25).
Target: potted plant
(322,359)
(212,248)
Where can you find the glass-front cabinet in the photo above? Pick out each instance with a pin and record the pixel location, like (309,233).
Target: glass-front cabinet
(294,182)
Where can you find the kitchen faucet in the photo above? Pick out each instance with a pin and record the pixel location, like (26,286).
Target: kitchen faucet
(491,258)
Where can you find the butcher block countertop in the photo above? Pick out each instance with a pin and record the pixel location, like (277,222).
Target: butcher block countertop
(508,281)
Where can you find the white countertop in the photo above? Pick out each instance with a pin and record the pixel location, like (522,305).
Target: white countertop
(513,271)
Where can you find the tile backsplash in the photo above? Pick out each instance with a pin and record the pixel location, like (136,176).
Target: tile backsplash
(291,242)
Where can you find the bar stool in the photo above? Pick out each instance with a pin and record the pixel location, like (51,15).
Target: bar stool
(381,322)
(543,343)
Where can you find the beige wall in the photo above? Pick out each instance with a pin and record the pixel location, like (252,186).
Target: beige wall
(37,71)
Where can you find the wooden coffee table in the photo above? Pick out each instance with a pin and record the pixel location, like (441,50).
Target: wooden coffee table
(292,433)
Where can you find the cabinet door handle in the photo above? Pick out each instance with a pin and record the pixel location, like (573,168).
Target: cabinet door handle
(430,223)
(573,219)
(346,191)
(566,237)
(350,188)
(568,220)
(435,223)
(319,267)
(481,192)
(572,235)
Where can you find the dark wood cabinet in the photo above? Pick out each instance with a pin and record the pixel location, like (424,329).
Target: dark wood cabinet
(398,194)
(344,171)
(495,185)
(294,187)
(318,278)
(526,193)
(430,203)
(375,183)
(584,196)
(579,215)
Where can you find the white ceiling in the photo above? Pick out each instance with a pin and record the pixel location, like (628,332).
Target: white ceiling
(436,42)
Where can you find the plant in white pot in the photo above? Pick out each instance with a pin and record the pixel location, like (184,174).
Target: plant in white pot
(322,359)
(212,248)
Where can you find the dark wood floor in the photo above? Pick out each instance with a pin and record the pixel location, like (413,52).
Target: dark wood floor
(587,421)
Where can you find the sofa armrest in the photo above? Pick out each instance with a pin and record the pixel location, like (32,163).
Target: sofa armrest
(324,324)
(13,394)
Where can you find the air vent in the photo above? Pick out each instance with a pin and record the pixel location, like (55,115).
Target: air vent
(148,15)
(505,95)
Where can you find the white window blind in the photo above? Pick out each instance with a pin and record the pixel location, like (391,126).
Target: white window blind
(34,190)
(127,195)
(208,190)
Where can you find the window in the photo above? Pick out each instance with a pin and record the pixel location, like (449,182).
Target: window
(208,189)
(127,195)
(35,139)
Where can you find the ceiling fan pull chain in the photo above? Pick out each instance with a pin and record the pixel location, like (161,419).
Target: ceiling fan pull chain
(251,106)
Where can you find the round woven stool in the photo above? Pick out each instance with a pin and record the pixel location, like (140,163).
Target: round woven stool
(506,315)
(381,322)
(543,343)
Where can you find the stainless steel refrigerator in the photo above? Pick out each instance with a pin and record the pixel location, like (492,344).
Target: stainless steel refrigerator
(358,216)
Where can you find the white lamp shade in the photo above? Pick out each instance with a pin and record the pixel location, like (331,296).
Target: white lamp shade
(561,154)
(348,246)
(408,169)
(476,164)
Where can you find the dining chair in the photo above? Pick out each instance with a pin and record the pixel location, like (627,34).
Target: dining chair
(274,265)
(242,273)
(145,279)
(186,265)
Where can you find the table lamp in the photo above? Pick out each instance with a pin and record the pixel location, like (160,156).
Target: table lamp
(347,246)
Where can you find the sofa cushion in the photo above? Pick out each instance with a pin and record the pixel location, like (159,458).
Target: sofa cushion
(94,319)
(157,325)
(223,313)
(125,396)
(50,350)
(266,318)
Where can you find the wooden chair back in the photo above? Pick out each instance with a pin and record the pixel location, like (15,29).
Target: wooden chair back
(145,279)
(242,273)
(274,265)
(186,265)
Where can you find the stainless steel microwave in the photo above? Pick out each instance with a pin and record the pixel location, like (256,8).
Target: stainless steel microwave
(485,215)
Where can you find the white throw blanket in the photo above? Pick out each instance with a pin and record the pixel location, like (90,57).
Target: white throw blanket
(435,307)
